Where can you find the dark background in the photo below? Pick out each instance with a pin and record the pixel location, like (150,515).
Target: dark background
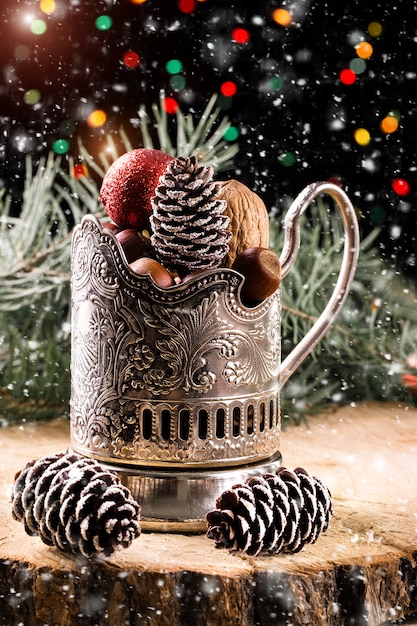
(78,68)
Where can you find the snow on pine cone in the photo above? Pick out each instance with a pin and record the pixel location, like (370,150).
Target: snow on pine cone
(76,505)
(189,225)
(271,513)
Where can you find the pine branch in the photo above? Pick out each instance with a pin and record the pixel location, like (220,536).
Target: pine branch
(203,140)
(34,290)
(363,354)
(35,259)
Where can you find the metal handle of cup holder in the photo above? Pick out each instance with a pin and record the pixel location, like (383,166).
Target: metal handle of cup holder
(346,274)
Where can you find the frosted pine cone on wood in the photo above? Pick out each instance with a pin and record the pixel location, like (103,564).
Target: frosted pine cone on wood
(271,513)
(189,227)
(74,504)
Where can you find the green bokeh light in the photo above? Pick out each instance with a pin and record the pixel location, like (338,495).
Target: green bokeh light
(67,127)
(394,113)
(32,96)
(177,82)
(38,27)
(60,146)
(103,22)
(275,83)
(174,66)
(358,66)
(287,159)
(231,133)
(377,214)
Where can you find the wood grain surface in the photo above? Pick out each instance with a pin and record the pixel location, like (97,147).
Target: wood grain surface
(362,571)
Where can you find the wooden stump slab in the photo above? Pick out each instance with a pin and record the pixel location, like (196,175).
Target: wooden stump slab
(362,571)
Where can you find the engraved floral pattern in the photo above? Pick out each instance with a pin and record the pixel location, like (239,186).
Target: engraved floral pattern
(131,346)
(187,335)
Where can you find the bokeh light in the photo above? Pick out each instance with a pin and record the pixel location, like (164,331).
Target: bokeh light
(38,27)
(395,113)
(347,76)
(362,136)
(170,105)
(67,127)
(358,66)
(103,22)
(22,52)
(177,82)
(275,83)
(186,6)
(377,214)
(228,88)
(61,146)
(287,159)
(47,6)
(173,66)
(231,133)
(364,50)
(389,124)
(240,35)
(375,29)
(79,171)
(32,96)
(400,186)
(282,17)
(97,118)
(292,81)
(131,59)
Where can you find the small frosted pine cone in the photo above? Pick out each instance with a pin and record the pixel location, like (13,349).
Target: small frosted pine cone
(189,225)
(74,504)
(271,513)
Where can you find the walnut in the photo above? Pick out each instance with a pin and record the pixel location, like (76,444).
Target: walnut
(249,221)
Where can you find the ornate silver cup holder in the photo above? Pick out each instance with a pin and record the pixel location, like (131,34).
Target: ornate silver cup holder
(177,389)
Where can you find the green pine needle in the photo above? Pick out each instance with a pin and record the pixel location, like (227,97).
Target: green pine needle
(35,258)
(363,356)
(203,140)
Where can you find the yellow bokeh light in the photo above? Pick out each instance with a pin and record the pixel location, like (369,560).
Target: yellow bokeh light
(389,124)
(364,50)
(47,6)
(138,1)
(32,96)
(375,29)
(96,118)
(282,17)
(362,136)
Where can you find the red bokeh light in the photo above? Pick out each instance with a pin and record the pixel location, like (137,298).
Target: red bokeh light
(347,76)
(170,105)
(228,88)
(131,59)
(79,170)
(240,35)
(186,6)
(400,186)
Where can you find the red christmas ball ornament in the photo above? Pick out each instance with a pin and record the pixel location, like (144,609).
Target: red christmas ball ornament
(129,185)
